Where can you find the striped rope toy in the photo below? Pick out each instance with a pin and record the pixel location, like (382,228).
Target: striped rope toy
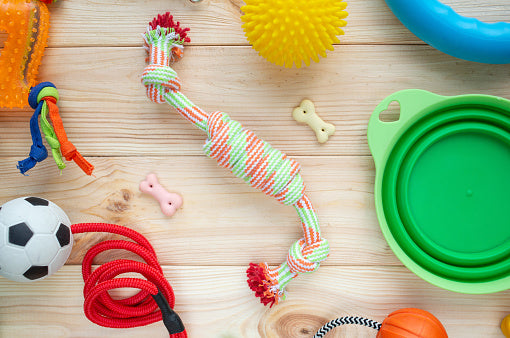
(239,150)
(347,320)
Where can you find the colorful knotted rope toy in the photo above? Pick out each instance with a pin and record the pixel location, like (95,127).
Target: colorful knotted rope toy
(239,150)
(43,98)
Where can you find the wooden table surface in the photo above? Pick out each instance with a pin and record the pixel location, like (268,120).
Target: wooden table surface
(95,59)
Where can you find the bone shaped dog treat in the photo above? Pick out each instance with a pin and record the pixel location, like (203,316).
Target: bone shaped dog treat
(169,202)
(306,113)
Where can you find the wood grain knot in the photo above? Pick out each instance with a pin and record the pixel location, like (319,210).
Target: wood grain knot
(118,202)
(117,207)
(296,324)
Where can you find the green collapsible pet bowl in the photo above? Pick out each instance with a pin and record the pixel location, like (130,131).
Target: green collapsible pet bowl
(442,187)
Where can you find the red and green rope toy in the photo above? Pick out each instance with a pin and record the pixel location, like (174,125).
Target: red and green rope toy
(154,301)
(239,150)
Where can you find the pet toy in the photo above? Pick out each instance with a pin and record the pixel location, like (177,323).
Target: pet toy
(43,99)
(36,240)
(305,113)
(441,27)
(505,326)
(404,323)
(239,150)
(288,32)
(26,23)
(169,202)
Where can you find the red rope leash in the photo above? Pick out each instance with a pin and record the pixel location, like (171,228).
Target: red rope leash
(137,310)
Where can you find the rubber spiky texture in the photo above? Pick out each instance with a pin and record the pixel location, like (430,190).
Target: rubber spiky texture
(287,32)
(26,23)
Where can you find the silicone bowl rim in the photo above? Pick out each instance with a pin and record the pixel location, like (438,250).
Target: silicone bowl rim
(444,29)
(397,129)
(411,247)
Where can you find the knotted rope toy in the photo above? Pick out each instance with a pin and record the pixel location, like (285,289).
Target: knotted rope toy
(239,150)
(43,99)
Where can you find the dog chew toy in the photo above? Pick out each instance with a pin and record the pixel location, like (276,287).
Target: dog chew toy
(26,23)
(239,150)
(505,326)
(169,202)
(287,32)
(466,38)
(43,99)
(404,323)
(305,113)
(35,239)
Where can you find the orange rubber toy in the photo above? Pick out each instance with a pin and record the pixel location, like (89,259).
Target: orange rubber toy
(411,323)
(26,23)
(404,323)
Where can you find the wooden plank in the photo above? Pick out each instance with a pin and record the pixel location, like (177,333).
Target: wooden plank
(215,302)
(106,112)
(220,215)
(217,22)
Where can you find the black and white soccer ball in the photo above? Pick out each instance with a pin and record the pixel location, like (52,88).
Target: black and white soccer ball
(35,239)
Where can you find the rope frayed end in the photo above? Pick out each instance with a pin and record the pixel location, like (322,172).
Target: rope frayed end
(38,153)
(163,30)
(167,21)
(261,283)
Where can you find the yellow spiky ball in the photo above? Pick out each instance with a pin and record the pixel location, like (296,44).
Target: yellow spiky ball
(287,32)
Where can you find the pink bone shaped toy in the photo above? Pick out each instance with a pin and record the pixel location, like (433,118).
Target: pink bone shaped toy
(169,202)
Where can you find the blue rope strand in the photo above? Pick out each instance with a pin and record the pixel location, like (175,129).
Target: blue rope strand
(38,152)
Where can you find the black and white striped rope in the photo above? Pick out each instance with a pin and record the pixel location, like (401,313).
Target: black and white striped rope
(347,320)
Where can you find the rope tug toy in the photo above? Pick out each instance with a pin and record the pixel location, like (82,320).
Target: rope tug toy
(137,310)
(404,323)
(239,150)
(43,99)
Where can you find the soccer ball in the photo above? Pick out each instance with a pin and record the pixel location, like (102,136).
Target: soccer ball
(35,239)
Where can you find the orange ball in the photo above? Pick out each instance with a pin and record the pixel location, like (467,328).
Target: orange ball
(411,323)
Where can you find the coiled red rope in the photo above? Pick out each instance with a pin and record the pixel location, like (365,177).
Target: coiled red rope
(151,304)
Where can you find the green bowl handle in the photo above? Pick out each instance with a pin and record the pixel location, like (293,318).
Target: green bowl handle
(383,135)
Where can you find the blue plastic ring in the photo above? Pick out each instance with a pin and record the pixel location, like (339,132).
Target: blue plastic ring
(466,38)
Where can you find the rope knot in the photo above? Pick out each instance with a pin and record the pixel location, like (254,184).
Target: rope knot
(44,90)
(304,258)
(38,153)
(159,80)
